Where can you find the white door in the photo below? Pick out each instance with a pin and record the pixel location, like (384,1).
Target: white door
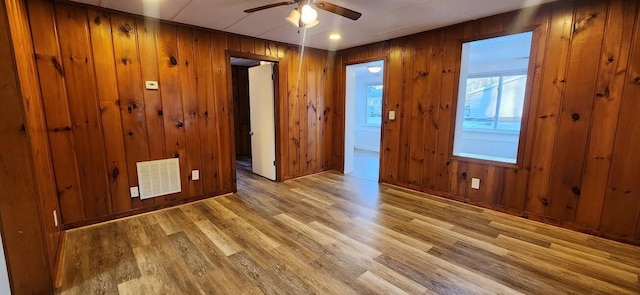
(263,131)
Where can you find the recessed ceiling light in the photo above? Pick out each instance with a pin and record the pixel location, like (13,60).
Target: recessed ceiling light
(335,36)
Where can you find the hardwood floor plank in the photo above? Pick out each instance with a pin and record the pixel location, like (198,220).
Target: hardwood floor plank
(334,234)
(219,238)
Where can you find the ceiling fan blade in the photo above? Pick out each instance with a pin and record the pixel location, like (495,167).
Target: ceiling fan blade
(270,6)
(339,10)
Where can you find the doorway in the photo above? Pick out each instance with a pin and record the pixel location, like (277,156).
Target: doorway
(363,119)
(254,116)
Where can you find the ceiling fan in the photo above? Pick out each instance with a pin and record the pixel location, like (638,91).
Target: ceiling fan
(305,16)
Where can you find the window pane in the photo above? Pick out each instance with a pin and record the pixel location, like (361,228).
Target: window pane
(480,102)
(511,103)
(493,81)
(374,105)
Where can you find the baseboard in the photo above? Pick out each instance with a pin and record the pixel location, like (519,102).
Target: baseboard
(59,262)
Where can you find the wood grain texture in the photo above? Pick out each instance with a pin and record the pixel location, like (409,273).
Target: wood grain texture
(106,57)
(84,109)
(55,101)
(24,236)
(335,234)
(576,128)
(35,125)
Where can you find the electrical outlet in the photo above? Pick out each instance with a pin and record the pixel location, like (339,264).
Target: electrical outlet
(134,192)
(195,175)
(475,183)
(55,218)
(392,115)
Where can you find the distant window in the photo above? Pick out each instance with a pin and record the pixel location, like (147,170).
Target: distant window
(374,105)
(491,96)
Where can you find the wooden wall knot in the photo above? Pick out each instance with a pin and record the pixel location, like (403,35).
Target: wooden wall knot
(57,66)
(62,129)
(176,155)
(97,20)
(179,124)
(114,173)
(545,202)
(636,80)
(124,61)
(312,106)
(576,191)
(575,117)
(605,93)
(126,28)
(133,106)
(160,113)
(582,24)
(173,61)
(421,108)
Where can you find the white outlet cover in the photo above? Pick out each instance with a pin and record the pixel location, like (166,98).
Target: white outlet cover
(151,85)
(195,175)
(392,115)
(134,191)
(475,183)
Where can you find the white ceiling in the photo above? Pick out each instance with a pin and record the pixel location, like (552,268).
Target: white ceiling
(381,19)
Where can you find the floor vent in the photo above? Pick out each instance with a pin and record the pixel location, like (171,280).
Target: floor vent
(158,178)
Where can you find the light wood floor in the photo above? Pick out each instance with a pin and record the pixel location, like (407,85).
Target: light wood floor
(334,234)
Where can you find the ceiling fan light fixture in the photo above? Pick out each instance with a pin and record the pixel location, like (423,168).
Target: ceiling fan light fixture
(308,15)
(313,24)
(294,17)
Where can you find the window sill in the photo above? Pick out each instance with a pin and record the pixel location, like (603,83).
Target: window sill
(463,158)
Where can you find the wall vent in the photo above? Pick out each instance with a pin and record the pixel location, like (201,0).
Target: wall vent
(158,178)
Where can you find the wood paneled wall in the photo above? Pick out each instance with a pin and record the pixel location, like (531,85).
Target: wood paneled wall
(101,120)
(580,163)
(28,234)
(240,82)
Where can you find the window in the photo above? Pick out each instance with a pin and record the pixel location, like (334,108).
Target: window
(491,96)
(374,105)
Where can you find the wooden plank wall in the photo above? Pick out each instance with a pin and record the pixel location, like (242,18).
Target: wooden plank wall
(579,166)
(240,88)
(101,120)
(26,237)
(36,126)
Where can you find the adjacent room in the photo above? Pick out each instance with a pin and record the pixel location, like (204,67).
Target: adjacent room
(320,147)
(363,119)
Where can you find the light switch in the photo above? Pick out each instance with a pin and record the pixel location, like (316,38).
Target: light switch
(134,191)
(475,183)
(151,85)
(195,174)
(392,115)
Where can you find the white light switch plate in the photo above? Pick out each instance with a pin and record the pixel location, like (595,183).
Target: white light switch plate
(475,183)
(392,115)
(195,174)
(151,85)
(134,191)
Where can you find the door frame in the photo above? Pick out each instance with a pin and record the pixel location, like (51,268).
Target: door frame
(343,106)
(277,100)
